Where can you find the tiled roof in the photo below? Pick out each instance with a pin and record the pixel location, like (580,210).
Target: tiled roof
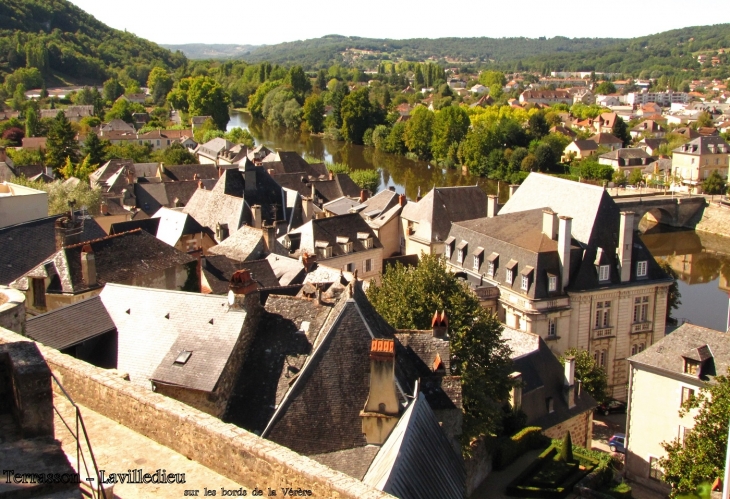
(148,225)
(340,185)
(149,322)
(586,145)
(210,208)
(26,245)
(153,196)
(605,138)
(704,145)
(668,353)
(67,326)
(626,153)
(417,460)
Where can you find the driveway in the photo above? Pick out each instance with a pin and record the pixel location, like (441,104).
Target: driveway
(604,427)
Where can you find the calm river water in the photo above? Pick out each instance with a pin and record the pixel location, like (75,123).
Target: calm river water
(701,260)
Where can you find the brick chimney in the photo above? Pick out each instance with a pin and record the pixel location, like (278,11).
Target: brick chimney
(380,414)
(492,206)
(625,244)
(564,236)
(256,219)
(515,396)
(269,237)
(104,208)
(550,224)
(363,195)
(402,200)
(242,290)
(308,261)
(569,382)
(88,266)
(440,325)
(68,231)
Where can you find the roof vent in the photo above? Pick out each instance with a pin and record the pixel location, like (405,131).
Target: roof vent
(167,315)
(211,321)
(129,311)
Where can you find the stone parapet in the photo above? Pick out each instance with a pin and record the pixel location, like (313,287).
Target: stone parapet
(224,448)
(12,309)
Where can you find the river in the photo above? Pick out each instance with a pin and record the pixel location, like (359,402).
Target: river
(701,260)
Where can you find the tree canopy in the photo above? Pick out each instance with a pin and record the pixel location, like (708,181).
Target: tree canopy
(588,371)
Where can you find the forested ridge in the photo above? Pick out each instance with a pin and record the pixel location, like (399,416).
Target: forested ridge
(68,45)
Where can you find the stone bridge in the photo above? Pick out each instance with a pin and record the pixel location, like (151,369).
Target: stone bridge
(667,210)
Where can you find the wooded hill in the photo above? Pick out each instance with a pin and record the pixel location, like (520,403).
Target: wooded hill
(68,45)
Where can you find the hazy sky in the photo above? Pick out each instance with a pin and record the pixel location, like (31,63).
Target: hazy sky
(257,23)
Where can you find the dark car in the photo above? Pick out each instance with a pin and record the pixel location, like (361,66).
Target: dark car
(611,406)
(617,443)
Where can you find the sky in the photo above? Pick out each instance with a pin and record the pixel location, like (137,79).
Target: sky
(261,23)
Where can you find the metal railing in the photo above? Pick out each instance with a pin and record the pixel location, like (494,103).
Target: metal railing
(97,491)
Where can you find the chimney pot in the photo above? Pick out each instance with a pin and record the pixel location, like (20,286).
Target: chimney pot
(331,175)
(402,200)
(550,224)
(569,382)
(564,237)
(516,391)
(256,215)
(363,195)
(440,324)
(240,288)
(626,243)
(492,205)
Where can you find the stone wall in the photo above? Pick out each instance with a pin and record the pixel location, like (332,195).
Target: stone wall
(580,427)
(224,448)
(12,309)
(715,220)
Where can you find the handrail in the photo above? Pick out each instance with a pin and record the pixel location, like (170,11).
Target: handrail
(97,492)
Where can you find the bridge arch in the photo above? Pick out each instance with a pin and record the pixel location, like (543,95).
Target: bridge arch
(653,216)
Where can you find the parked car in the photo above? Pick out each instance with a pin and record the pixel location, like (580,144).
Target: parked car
(611,406)
(617,443)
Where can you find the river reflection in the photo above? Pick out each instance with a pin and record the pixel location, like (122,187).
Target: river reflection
(404,174)
(703,263)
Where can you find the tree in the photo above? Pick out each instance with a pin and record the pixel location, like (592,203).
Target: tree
(538,126)
(714,184)
(240,135)
(160,84)
(619,178)
(176,154)
(408,297)
(636,177)
(123,110)
(419,132)
(14,136)
(313,113)
(32,123)
(256,101)
(701,456)
(79,170)
(704,120)
(591,375)
(495,80)
(356,113)
(621,131)
(61,142)
(366,179)
(450,126)
(545,159)
(94,149)
(112,90)
(298,80)
(605,88)
(136,152)
(59,194)
(207,98)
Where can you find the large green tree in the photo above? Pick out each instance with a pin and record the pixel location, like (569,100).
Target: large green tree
(408,298)
(61,142)
(356,113)
(94,149)
(206,97)
(160,83)
(450,126)
(701,457)
(714,184)
(313,113)
(591,375)
(419,132)
(176,154)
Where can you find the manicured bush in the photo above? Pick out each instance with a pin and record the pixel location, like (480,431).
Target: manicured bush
(509,449)
(566,449)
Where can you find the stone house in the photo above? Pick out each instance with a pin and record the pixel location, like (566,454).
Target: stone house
(697,159)
(568,268)
(548,97)
(79,271)
(626,159)
(662,378)
(382,214)
(579,149)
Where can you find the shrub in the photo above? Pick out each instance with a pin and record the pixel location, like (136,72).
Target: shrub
(566,449)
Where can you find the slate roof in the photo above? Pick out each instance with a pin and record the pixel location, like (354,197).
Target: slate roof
(70,325)
(374,206)
(27,244)
(648,126)
(543,377)
(341,206)
(605,138)
(417,460)
(626,153)
(340,185)
(292,162)
(214,147)
(218,270)
(287,270)
(426,348)
(150,321)
(668,353)
(441,207)
(148,225)
(153,196)
(354,462)
(247,243)
(703,145)
(586,145)
(119,258)
(212,207)
(174,224)
(329,229)
(178,173)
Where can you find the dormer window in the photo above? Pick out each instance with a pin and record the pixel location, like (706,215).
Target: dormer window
(183,358)
(691,367)
(510,273)
(641,268)
(323,249)
(477,258)
(526,277)
(449,247)
(604,272)
(345,244)
(366,240)
(461,251)
(492,264)
(552,282)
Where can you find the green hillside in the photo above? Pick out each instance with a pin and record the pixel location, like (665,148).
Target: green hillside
(68,45)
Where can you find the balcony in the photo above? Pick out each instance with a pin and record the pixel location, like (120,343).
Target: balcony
(641,327)
(603,333)
(486,292)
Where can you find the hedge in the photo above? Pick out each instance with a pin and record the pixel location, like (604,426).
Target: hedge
(509,449)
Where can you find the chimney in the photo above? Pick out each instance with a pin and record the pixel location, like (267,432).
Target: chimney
(380,414)
(308,261)
(512,190)
(331,175)
(515,396)
(440,325)
(196,176)
(200,184)
(256,216)
(242,290)
(492,206)
(550,224)
(307,208)
(625,244)
(569,382)
(67,232)
(564,236)
(402,200)
(104,208)
(363,195)
(88,266)
(269,237)
(220,171)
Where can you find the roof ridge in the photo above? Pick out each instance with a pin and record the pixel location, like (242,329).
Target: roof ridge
(91,241)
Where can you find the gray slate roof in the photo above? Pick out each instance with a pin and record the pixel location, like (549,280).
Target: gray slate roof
(70,325)
(219,269)
(703,145)
(667,354)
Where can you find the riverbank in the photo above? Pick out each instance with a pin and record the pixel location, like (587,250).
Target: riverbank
(715,220)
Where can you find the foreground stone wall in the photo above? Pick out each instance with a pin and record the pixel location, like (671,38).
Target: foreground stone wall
(224,448)
(12,309)
(580,428)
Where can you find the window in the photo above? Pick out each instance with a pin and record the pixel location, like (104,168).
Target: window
(447,251)
(477,262)
(687,393)
(368,265)
(683,432)
(691,367)
(368,243)
(601,357)
(449,246)
(460,256)
(509,276)
(552,327)
(525,283)
(39,292)
(346,247)
(350,267)
(654,471)
(641,268)
(641,308)
(552,283)
(490,269)
(603,272)
(603,314)
(324,252)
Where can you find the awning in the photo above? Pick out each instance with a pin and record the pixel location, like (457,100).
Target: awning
(462,244)
(493,257)
(478,252)
(527,271)
(512,264)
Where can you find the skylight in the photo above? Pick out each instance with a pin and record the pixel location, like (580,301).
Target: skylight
(183,357)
